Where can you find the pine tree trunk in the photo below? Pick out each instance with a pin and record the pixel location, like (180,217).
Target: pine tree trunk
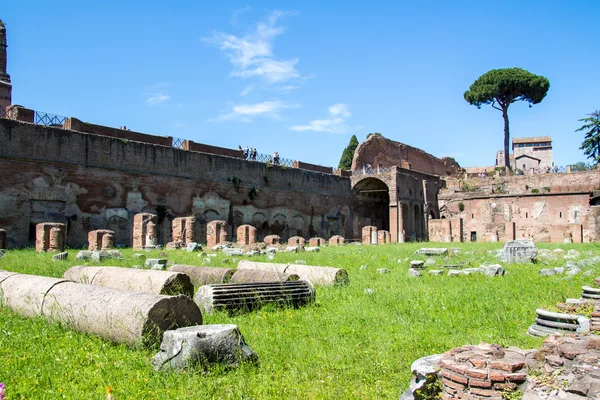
(506,138)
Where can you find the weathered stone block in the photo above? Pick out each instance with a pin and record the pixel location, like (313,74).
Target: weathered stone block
(519,251)
(201,346)
(95,239)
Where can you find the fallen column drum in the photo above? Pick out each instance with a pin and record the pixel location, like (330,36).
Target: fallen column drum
(248,296)
(255,276)
(200,276)
(326,276)
(134,280)
(121,316)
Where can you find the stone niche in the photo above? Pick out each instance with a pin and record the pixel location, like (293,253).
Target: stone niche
(384,237)
(246,234)
(101,239)
(50,236)
(2,239)
(183,230)
(369,234)
(336,240)
(145,232)
(296,240)
(216,232)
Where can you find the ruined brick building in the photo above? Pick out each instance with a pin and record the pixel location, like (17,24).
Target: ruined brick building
(90,177)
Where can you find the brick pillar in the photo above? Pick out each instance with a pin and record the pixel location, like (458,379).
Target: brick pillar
(383,237)
(246,234)
(272,239)
(401,234)
(577,233)
(369,235)
(394,226)
(108,241)
(336,240)
(56,241)
(190,231)
(140,225)
(2,239)
(446,230)
(509,231)
(316,242)
(296,240)
(177,228)
(95,238)
(45,240)
(216,232)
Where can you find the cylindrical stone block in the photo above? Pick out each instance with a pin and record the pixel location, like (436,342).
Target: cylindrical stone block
(200,276)
(56,240)
(317,275)
(255,275)
(24,294)
(247,296)
(108,241)
(120,316)
(134,280)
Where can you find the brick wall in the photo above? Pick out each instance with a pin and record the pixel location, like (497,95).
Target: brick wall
(77,125)
(205,148)
(97,182)
(312,167)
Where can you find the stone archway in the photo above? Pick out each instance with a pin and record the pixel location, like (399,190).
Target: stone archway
(373,197)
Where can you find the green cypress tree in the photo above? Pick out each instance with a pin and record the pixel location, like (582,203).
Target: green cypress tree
(348,154)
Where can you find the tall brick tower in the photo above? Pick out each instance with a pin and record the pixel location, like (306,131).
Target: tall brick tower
(5,85)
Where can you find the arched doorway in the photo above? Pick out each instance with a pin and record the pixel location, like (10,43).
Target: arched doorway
(373,199)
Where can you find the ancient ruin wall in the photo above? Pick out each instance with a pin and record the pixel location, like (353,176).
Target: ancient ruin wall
(378,151)
(97,182)
(541,217)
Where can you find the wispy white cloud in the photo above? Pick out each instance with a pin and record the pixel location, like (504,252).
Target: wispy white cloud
(235,18)
(245,112)
(247,90)
(335,124)
(155,94)
(252,54)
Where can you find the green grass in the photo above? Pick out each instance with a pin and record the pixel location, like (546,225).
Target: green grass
(348,345)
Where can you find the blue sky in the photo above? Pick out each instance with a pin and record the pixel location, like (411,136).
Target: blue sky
(300,77)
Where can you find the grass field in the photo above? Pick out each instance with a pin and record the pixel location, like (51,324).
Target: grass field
(348,345)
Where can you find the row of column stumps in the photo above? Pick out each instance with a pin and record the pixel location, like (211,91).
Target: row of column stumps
(51,236)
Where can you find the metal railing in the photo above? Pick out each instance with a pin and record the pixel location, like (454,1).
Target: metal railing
(47,119)
(371,171)
(178,142)
(269,159)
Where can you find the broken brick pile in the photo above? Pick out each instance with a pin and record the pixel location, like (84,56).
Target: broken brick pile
(569,364)
(481,372)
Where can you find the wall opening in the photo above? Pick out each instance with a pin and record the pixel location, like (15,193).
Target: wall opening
(374,202)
